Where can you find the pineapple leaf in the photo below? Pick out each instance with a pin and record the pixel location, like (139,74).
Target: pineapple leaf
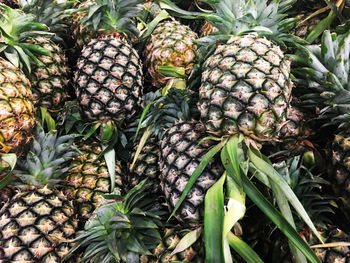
(36,49)
(171,71)
(142,117)
(8,161)
(274,176)
(287,213)
(5,180)
(214,222)
(110,162)
(46,118)
(13,58)
(258,198)
(321,27)
(188,240)
(151,26)
(243,249)
(142,143)
(15,28)
(92,130)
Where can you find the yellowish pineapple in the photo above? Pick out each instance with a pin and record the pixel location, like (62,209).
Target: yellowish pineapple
(16,109)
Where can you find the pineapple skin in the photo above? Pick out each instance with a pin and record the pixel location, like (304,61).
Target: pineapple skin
(146,165)
(180,156)
(81,34)
(246,88)
(109,79)
(17,109)
(207,29)
(10,3)
(341,168)
(330,254)
(88,179)
(50,80)
(34,226)
(303,29)
(171,44)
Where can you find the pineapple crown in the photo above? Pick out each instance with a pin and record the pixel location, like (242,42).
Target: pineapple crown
(324,72)
(15,28)
(45,163)
(307,188)
(109,16)
(162,111)
(122,229)
(241,17)
(52,13)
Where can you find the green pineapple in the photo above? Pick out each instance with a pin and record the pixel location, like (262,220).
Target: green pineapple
(180,156)
(17,109)
(121,229)
(323,73)
(88,179)
(36,223)
(43,61)
(109,79)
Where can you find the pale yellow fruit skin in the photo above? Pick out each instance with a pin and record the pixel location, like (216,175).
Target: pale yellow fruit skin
(16,109)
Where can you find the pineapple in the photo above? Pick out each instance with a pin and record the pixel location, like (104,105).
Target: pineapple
(322,77)
(53,13)
(304,27)
(310,5)
(146,165)
(121,229)
(49,81)
(109,79)
(10,3)
(246,88)
(82,35)
(341,166)
(180,156)
(171,237)
(36,223)
(170,44)
(46,68)
(246,85)
(88,179)
(331,234)
(16,115)
(207,29)
(165,110)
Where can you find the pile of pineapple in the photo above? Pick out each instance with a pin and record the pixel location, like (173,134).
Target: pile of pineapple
(174,131)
